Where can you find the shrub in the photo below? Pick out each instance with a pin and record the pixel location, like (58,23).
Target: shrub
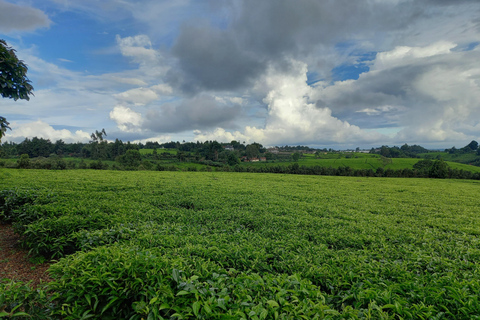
(82,165)
(127,282)
(56,236)
(98,165)
(12,201)
(24,161)
(18,300)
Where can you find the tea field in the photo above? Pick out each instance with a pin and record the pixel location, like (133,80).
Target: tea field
(360,161)
(221,245)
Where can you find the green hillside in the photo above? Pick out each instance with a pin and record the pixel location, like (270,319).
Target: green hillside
(361,161)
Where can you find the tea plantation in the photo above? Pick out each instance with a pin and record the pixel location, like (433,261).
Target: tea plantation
(200,245)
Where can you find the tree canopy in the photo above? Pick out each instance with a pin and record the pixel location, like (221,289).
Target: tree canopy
(14,83)
(3,127)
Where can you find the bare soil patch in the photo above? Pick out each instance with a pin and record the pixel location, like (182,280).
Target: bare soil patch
(15,263)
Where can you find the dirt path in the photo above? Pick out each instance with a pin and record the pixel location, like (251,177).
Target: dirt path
(14,261)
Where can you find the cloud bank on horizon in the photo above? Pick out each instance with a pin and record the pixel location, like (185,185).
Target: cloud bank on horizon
(321,73)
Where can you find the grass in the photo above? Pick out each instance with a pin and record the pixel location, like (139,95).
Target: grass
(159,151)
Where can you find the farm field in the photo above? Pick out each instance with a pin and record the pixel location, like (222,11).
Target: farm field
(362,162)
(150,151)
(355,161)
(459,158)
(218,245)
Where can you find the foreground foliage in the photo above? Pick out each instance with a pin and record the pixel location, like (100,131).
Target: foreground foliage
(186,245)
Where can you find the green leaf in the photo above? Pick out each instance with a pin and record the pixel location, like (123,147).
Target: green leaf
(273,303)
(221,304)
(182,293)
(18,314)
(263,314)
(113,299)
(176,275)
(164,306)
(196,307)
(207,308)
(89,299)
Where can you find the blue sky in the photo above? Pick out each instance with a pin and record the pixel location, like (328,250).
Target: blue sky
(335,74)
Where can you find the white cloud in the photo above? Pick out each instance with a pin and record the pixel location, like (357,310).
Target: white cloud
(237,100)
(126,119)
(65,60)
(404,55)
(162,88)
(152,67)
(159,139)
(381,109)
(138,96)
(221,135)
(41,129)
(143,96)
(139,48)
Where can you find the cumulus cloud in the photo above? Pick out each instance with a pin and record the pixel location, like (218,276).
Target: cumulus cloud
(126,119)
(15,17)
(20,131)
(292,118)
(138,47)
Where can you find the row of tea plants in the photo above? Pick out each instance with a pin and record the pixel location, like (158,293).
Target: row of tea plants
(192,245)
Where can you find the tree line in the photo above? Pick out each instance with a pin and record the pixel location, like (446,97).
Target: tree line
(415,151)
(100,149)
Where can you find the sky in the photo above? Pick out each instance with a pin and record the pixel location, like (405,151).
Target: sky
(327,74)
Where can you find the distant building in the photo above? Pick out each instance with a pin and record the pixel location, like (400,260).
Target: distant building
(229,148)
(273,150)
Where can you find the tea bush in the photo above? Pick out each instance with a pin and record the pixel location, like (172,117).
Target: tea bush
(210,245)
(19,301)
